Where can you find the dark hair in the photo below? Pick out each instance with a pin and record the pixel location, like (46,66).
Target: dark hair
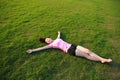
(42,40)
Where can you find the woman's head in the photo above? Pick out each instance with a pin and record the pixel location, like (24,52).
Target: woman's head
(46,40)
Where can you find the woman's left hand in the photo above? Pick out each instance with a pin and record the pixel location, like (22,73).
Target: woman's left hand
(29,51)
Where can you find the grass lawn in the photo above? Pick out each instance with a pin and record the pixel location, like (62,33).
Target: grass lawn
(94,24)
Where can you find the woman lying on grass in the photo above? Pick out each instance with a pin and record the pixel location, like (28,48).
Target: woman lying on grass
(69,48)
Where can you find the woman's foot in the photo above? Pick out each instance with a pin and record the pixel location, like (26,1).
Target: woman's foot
(106,60)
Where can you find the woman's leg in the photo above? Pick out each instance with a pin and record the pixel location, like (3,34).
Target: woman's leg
(84,52)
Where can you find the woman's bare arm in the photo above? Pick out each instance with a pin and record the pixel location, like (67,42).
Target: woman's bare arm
(37,49)
(58,34)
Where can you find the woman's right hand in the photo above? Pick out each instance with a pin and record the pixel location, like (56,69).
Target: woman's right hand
(29,51)
(58,32)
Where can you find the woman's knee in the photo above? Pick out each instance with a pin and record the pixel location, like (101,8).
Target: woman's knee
(87,51)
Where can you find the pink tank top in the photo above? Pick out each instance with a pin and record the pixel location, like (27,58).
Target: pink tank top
(60,44)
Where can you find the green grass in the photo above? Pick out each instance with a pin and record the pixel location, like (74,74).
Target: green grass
(94,24)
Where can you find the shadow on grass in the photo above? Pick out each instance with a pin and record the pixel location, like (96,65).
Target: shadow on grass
(114,65)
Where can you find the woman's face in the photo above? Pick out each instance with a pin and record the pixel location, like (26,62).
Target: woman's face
(48,40)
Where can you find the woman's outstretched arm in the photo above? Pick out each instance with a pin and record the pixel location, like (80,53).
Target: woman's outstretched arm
(58,34)
(37,49)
